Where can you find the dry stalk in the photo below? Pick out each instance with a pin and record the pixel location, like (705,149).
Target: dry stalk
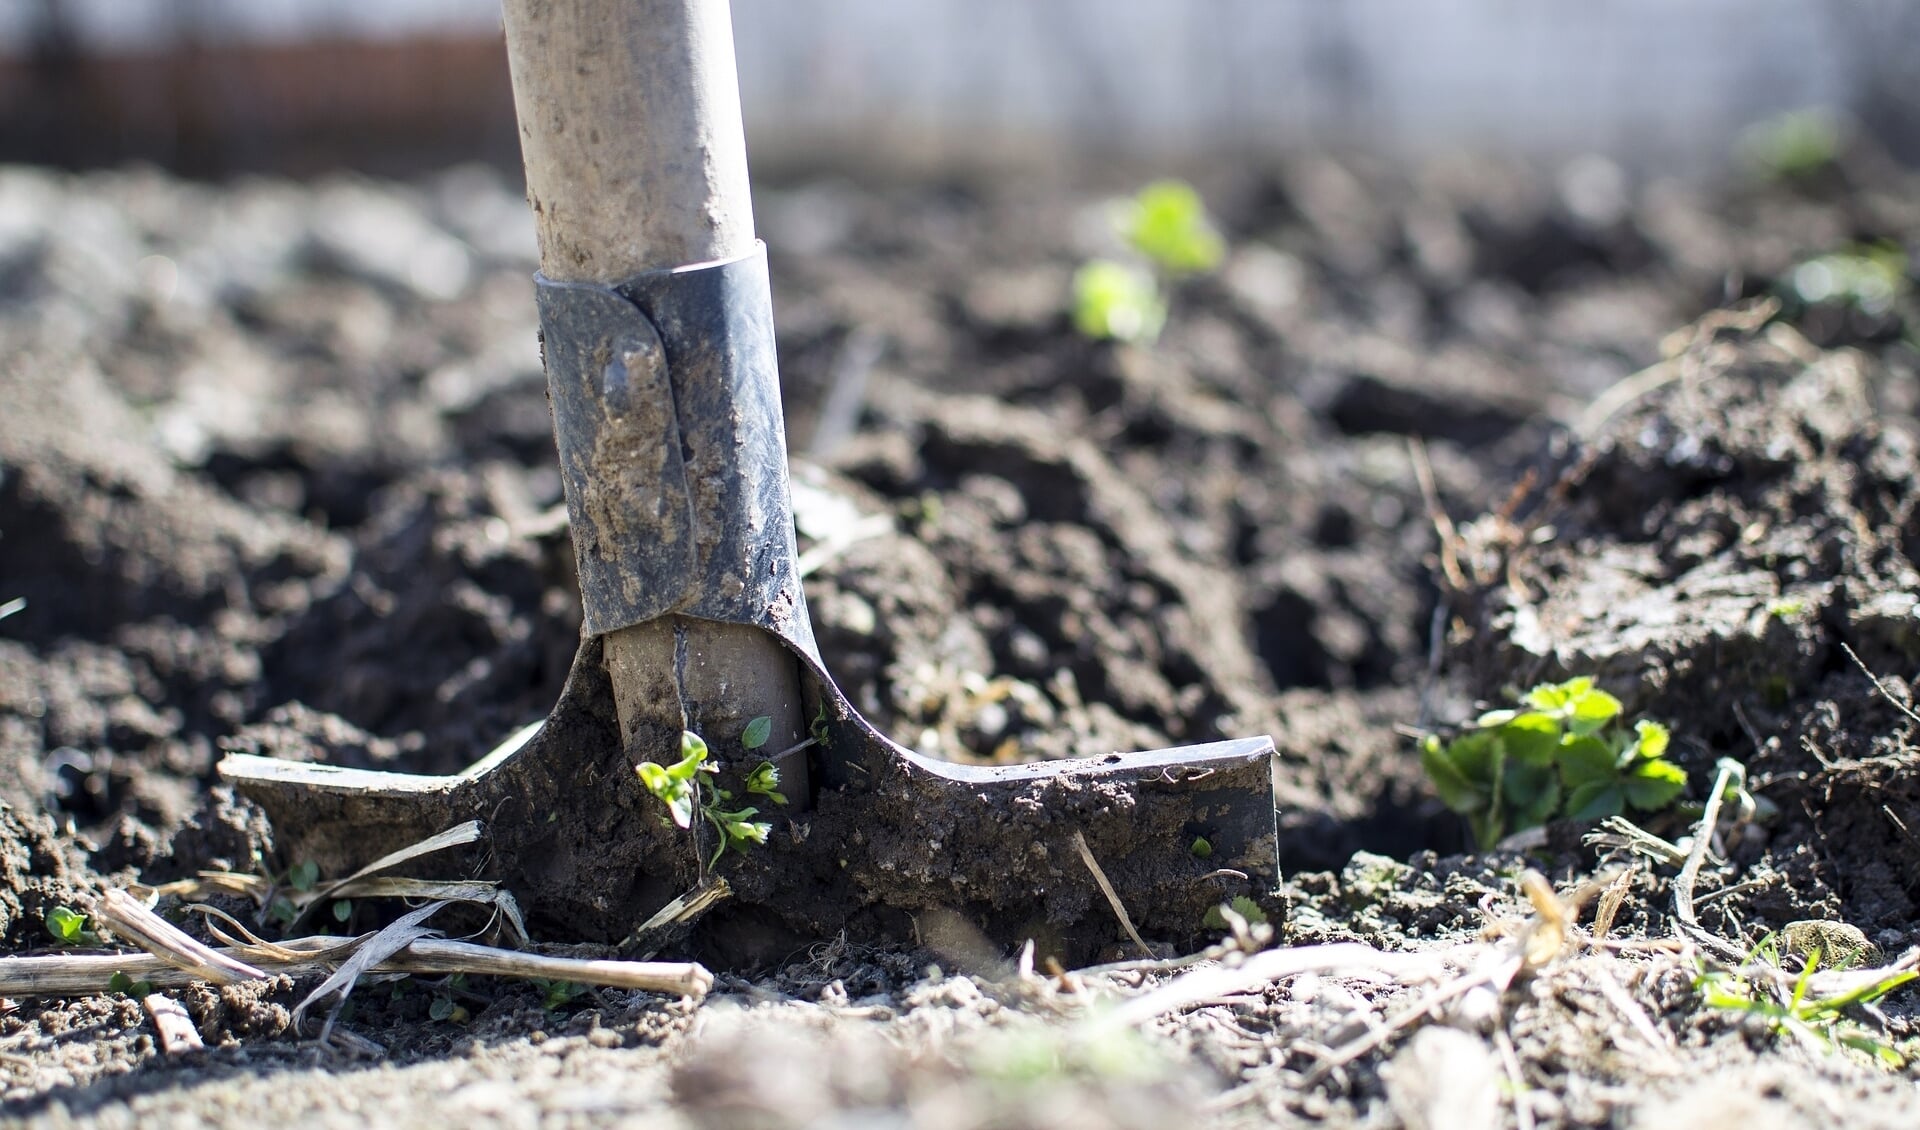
(1611,900)
(1902,707)
(88,974)
(372,950)
(1113,896)
(1688,925)
(130,918)
(678,914)
(1351,959)
(177,1032)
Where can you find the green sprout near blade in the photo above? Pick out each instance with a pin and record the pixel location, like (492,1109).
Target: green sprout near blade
(680,788)
(1565,755)
(121,983)
(1245,907)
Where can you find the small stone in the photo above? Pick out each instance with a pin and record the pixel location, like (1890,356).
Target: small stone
(1841,945)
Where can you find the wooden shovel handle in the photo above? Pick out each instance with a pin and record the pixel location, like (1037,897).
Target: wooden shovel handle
(630,128)
(636,161)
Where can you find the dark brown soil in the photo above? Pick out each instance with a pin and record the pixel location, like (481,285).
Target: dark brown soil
(276,477)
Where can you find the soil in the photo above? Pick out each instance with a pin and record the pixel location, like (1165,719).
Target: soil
(277,476)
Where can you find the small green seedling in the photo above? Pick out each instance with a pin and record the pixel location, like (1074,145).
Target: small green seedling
(1786,608)
(121,983)
(304,875)
(1868,277)
(757,732)
(765,781)
(1166,226)
(69,927)
(1201,848)
(1793,145)
(679,787)
(1117,301)
(444,1006)
(555,995)
(1565,755)
(1760,989)
(1245,907)
(1167,222)
(821,728)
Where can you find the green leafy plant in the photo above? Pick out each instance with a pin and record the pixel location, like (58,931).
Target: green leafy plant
(1565,753)
(1868,277)
(1793,145)
(1118,301)
(304,875)
(1167,227)
(821,727)
(681,788)
(69,927)
(444,1006)
(1245,907)
(554,995)
(1167,222)
(1789,1006)
(1786,608)
(121,983)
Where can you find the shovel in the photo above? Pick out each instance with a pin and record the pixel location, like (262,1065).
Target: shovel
(657,332)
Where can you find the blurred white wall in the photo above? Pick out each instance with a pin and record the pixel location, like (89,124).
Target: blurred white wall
(1662,81)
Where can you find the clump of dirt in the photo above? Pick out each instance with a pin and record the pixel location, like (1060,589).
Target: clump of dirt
(228,1014)
(34,875)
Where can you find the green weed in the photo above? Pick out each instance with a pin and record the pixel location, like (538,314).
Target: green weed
(1246,908)
(1565,754)
(69,927)
(1167,227)
(1794,145)
(1788,1006)
(681,788)
(1167,222)
(1868,277)
(555,995)
(121,983)
(1118,301)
